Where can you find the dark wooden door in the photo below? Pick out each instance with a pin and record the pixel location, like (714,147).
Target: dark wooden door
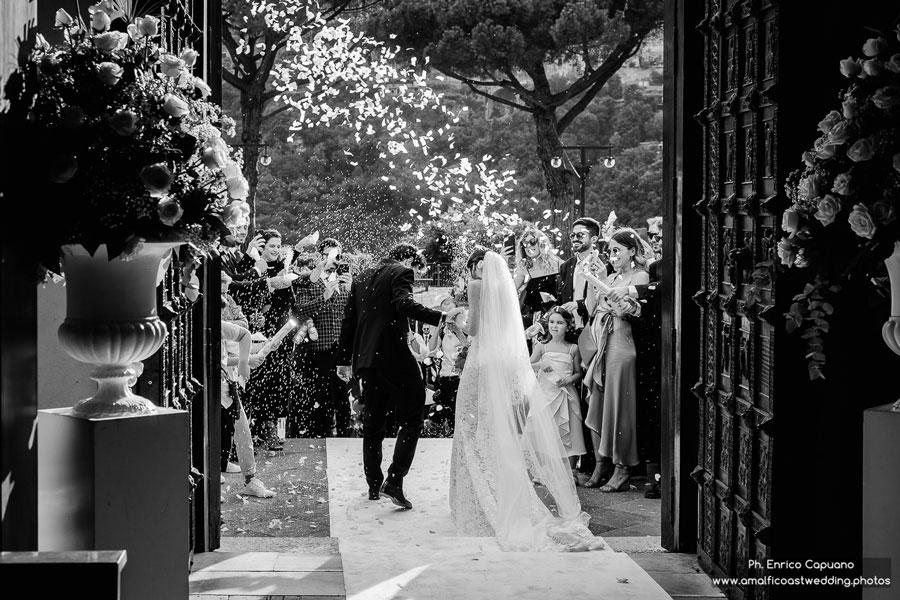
(741,183)
(790,493)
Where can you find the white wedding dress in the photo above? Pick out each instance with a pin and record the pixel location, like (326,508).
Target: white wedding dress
(506,434)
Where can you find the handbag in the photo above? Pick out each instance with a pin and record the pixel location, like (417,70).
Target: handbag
(587,344)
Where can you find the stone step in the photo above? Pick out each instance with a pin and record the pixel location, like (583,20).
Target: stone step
(256,568)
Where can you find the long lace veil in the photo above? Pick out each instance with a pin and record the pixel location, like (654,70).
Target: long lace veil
(522,423)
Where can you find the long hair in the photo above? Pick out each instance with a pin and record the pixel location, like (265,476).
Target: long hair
(628,237)
(547,260)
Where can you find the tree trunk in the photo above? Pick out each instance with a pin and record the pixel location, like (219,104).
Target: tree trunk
(252,107)
(560,181)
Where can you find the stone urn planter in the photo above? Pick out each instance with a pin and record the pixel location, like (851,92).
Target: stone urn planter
(111,322)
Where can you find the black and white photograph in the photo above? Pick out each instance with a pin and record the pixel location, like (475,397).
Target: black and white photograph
(450,299)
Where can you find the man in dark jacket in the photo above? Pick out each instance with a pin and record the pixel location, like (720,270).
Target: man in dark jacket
(570,286)
(373,346)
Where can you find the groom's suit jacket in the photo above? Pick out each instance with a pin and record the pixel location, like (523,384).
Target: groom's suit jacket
(376,320)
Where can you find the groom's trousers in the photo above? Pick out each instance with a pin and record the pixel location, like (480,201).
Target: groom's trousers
(405,394)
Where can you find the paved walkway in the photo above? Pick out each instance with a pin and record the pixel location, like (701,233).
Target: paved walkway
(378,552)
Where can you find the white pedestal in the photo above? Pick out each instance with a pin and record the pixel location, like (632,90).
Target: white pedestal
(881,493)
(119,484)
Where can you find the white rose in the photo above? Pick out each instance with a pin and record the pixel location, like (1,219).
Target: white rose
(850,67)
(189,57)
(893,63)
(828,208)
(886,97)
(133,32)
(786,253)
(874,46)
(100,21)
(790,221)
(236,213)
(809,186)
(862,150)
(215,155)
(63,19)
(809,158)
(842,184)
(840,133)
(171,65)
(238,188)
(202,87)
(230,170)
(109,72)
(873,68)
(175,106)
(110,41)
(830,120)
(861,222)
(148,26)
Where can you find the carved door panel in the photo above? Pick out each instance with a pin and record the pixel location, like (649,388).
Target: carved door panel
(741,190)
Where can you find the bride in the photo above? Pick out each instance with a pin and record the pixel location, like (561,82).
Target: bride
(505,431)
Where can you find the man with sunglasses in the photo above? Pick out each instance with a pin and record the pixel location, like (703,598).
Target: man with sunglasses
(572,289)
(571,286)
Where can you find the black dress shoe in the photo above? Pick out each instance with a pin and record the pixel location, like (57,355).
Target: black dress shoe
(373,491)
(395,493)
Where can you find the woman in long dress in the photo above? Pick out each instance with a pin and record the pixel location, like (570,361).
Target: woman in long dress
(505,431)
(611,375)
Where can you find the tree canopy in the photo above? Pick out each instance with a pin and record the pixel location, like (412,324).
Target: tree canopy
(503,51)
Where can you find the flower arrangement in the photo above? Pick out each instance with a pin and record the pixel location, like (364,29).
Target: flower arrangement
(133,149)
(845,200)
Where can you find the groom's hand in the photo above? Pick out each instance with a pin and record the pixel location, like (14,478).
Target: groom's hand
(344,373)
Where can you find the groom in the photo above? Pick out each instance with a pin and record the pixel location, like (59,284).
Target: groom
(373,344)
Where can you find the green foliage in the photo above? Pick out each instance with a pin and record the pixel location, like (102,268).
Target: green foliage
(633,188)
(809,313)
(326,180)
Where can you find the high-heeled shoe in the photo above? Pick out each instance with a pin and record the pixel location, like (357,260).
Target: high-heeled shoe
(603,471)
(619,487)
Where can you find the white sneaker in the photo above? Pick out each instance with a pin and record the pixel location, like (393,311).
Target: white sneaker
(233,468)
(257,488)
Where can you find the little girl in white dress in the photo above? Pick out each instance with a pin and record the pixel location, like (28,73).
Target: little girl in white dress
(558,365)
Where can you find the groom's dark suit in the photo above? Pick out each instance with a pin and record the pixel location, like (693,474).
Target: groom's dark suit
(374,343)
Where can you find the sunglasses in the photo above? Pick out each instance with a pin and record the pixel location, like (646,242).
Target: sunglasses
(531,242)
(578,234)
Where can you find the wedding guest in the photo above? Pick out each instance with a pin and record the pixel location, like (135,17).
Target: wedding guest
(572,292)
(322,408)
(611,374)
(536,271)
(445,347)
(250,287)
(558,364)
(647,332)
(235,372)
(572,287)
(273,386)
(232,313)
(243,264)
